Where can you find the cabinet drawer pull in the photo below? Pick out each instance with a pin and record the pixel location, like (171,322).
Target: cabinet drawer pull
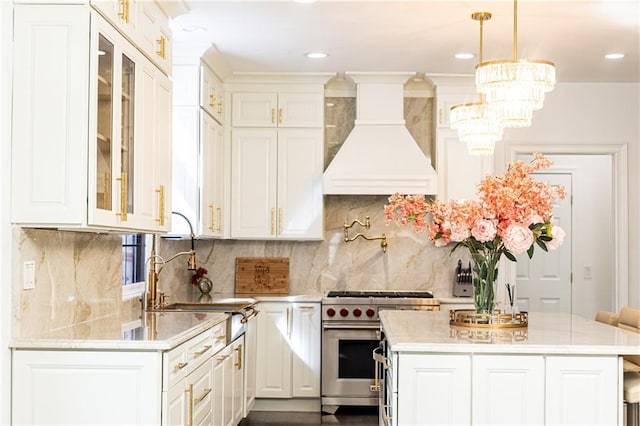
(238,364)
(212,97)
(162,42)
(273,221)
(124,13)
(273,115)
(180,366)
(219,210)
(203,350)
(124,183)
(280,221)
(212,227)
(160,218)
(220,107)
(190,392)
(199,399)
(221,358)
(220,338)
(280,114)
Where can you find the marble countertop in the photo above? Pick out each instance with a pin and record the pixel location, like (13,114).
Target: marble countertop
(547,333)
(154,331)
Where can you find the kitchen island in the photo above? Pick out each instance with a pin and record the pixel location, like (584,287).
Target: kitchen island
(561,369)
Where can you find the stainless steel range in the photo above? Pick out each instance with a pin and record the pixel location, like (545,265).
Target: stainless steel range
(350,333)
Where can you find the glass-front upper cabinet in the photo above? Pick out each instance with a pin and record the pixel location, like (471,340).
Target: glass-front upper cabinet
(104,137)
(112,169)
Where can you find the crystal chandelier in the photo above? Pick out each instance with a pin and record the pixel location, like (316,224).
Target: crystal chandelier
(515,87)
(476,123)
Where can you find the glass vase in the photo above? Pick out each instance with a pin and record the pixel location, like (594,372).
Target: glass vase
(205,285)
(485,274)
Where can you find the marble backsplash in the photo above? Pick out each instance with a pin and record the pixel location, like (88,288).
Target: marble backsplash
(78,275)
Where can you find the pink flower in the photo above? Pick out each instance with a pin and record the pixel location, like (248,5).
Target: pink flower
(459,233)
(517,238)
(484,230)
(533,219)
(441,242)
(558,235)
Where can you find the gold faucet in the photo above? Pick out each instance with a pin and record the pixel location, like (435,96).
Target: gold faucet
(367,225)
(151,298)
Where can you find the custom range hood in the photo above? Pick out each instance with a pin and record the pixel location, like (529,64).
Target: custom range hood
(380,156)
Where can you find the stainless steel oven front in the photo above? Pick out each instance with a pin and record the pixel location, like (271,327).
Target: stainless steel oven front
(348,370)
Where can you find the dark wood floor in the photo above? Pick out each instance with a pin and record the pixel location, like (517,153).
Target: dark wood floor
(346,416)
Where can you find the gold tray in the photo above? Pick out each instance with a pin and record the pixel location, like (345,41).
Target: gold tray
(469,318)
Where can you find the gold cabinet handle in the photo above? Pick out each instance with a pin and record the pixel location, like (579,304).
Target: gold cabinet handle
(220,338)
(273,115)
(212,99)
(124,183)
(440,116)
(220,107)
(273,221)
(203,350)
(219,209)
(238,364)
(160,218)
(162,44)
(124,10)
(212,227)
(180,366)
(190,392)
(280,221)
(199,399)
(221,358)
(280,115)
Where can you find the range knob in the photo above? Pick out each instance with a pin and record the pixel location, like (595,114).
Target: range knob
(357,312)
(344,312)
(370,312)
(331,312)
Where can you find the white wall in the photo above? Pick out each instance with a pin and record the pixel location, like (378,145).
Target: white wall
(5,228)
(581,114)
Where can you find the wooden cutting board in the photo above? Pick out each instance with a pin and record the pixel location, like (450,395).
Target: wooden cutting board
(262,275)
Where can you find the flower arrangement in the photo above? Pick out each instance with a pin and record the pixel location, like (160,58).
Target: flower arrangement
(513,215)
(200,279)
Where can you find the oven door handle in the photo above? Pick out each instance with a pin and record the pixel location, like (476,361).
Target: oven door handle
(351,326)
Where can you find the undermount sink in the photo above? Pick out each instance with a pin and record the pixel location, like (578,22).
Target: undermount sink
(222,305)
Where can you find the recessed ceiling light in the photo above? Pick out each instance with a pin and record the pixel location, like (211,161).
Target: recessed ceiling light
(465,55)
(194,29)
(316,55)
(614,55)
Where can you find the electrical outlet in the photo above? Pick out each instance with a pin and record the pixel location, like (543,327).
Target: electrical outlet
(28,274)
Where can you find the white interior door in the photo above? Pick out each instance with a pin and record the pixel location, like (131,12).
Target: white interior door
(543,283)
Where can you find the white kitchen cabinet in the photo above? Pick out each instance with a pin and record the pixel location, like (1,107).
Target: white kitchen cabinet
(78,387)
(259,109)
(288,350)
(199,149)
(144,24)
(503,389)
(211,93)
(250,350)
(433,390)
(494,380)
(154,34)
(212,191)
(79,111)
(460,171)
(153,159)
(277,180)
(223,387)
(578,390)
(237,379)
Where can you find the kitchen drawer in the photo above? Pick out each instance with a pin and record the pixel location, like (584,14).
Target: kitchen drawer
(174,366)
(200,349)
(200,385)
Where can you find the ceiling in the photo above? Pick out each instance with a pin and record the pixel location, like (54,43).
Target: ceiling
(417,36)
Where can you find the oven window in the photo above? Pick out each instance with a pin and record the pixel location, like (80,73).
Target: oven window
(355,359)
